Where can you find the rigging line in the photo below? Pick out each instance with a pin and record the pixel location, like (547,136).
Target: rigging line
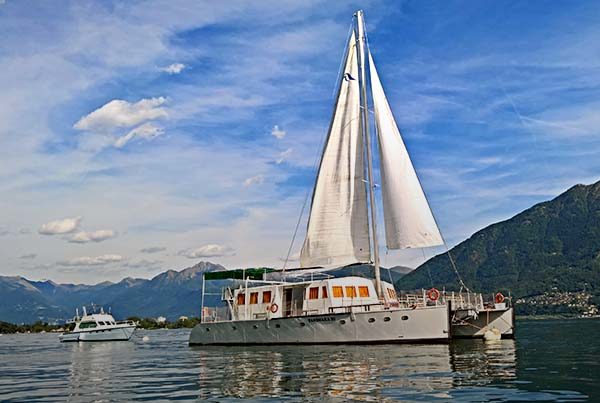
(428,271)
(387,251)
(460,280)
(338,81)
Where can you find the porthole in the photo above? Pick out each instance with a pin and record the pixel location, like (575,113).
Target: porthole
(371,320)
(342,322)
(302,324)
(208,329)
(404,317)
(255,326)
(387,319)
(234,328)
(277,325)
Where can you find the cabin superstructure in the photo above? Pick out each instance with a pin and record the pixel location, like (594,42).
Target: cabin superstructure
(301,298)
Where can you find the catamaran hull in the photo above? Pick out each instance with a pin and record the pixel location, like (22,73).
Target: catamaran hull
(475,327)
(431,324)
(116,334)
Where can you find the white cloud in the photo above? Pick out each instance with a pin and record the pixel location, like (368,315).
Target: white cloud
(174,68)
(254,180)
(65,226)
(284,155)
(91,261)
(93,236)
(277,132)
(210,250)
(118,113)
(146,131)
(153,249)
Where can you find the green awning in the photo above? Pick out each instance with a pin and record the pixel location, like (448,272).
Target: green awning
(239,274)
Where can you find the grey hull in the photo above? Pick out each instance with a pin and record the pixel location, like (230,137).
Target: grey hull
(503,320)
(431,324)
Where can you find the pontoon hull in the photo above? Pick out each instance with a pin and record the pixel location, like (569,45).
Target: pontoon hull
(501,319)
(431,324)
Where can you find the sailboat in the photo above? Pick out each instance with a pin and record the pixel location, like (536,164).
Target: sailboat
(342,231)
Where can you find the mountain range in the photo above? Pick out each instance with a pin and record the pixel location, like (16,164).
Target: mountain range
(170,294)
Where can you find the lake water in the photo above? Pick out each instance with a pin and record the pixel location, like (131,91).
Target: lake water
(552,360)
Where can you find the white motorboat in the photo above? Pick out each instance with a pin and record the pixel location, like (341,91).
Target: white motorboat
(98,327)
(342,231)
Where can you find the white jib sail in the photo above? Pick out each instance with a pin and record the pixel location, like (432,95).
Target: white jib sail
(409,222)
(338,229)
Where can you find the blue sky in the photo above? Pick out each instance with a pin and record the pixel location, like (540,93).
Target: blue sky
(141,136)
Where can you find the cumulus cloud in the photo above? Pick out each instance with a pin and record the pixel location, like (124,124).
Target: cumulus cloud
(65,226)
(174,68)
(284,155)
(210,250)
(28,256)
(277,132)
(145,264)
(153,249)
(254,180)
(91,260)
(93,236)
(118,113)
(145,131)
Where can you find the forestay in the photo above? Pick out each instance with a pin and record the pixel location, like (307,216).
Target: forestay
(337,232)
(409,222)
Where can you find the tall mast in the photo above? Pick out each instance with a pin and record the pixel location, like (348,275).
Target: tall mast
(360,39)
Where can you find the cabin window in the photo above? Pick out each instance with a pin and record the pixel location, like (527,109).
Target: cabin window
(363,291)
(350,291)
(266,297)
(254,298)
(392,293)
(241,299)
(338,292)
(87,325)
(324,292)
(313,293)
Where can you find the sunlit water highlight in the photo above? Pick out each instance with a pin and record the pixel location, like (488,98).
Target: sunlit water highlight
(549,361)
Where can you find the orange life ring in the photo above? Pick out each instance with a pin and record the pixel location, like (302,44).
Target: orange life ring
(274,308)
(433,294)
(499,298)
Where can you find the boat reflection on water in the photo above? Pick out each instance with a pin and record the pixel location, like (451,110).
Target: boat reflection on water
(354,372)
(93,364)
(476,362)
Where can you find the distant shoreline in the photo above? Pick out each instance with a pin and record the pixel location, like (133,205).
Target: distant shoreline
(146,324)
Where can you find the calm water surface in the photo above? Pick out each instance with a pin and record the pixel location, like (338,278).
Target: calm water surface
(555,360)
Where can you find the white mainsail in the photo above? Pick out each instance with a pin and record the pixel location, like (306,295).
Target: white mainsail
(409,222)
(338,228)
